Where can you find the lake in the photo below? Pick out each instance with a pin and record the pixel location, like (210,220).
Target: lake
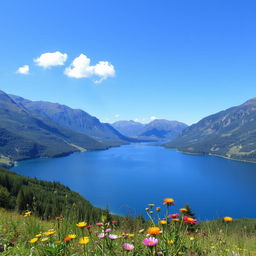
(125,179)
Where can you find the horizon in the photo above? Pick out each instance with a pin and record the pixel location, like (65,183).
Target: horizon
(121,61)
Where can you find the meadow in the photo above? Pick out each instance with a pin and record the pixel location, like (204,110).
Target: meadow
(164,233)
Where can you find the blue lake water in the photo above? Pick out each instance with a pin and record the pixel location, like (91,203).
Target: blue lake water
(125,179)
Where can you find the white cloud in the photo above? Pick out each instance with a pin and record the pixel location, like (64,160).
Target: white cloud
(24,70)
(153,118)
(50,59)
(81,68)
(117,115)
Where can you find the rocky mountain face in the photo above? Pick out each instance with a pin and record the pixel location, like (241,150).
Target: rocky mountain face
(230,133)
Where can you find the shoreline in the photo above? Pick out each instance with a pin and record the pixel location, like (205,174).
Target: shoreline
(210,154)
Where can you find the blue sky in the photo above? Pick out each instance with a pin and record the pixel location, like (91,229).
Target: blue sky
(174,59)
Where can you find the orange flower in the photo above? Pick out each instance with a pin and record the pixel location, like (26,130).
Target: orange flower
(154,231)
(175,219)
(158,209)
(168,201)
(67,239)
(163,222)
(228,219)
(183,210)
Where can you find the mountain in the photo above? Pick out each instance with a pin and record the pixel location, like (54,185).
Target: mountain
(159,129)
(74,119)
(230,133)
(128,128)
(24,135)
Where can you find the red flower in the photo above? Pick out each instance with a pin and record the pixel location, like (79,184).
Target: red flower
(88,226)
(67,239)
(114,221)
(189,220)
(176,215)
(14,239)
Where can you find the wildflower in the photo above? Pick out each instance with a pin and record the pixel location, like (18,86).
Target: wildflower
(131,235)
(228,219)
(38,235)
(44,239)
(57,242)
(108,230)
(183,210)
(67,239)
(168,201)
(14,239)
(49,232)
(150,241)
(175,220)
(191,238)
(114,221)
(163,222)
(81,224)
(158,209)
(113,237)
(176,215)
(189,220)
(128,247)
(101,235)
(170,242)
(84,240)
(72,236)
(99,224)
(141,230)
(88,226)
(151,205)
(147,209)
(151,212)
(154,231)
(27,213)
(33,240)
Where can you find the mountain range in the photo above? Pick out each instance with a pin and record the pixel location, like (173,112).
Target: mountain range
(230,133)
(158,129)
(24,135)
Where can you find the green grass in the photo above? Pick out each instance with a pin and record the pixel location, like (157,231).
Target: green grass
(213,238)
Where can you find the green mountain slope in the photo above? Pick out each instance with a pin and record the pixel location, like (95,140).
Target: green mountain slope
(74,119)
(230,133)
(23,135)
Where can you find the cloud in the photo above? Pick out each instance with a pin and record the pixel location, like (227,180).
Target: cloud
(81,68)
(153,118)
(117,115)
(24,70)
(50,59)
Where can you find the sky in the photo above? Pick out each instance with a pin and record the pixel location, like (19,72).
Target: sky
(131,59)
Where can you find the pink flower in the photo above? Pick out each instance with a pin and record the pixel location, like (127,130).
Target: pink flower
(101,235)
(176,215)
(113,237)
(128,247)
(99,224)
(150,241)
(108,230)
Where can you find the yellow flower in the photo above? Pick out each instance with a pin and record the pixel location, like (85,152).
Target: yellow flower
(183,210)
(163,222)
(154,230)
(168,201)
(33,240)
(45,239)
(81,224)
(170,242)
(27,213)
(146,209)
(84,240)
(151,205)
(38,235)
(228,219)
(72,236)
(131,235)
(175,219)
(49,232)
(191,238)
